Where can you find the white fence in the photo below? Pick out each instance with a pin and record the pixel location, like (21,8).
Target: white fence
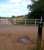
(4,21)
(29,21)
(20,21)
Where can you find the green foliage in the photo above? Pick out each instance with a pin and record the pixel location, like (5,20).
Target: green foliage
(13,16)
(0,17)
(37,9)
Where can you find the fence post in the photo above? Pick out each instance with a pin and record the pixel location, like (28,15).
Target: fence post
(28,21)
(35,23)
(25,21)
(39,38)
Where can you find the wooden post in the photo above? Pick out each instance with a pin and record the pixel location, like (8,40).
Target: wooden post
(39,38)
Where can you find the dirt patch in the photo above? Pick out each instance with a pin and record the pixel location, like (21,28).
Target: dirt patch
(9,36)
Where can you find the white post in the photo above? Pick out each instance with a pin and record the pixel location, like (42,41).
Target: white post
(28,21)
(35,23)
(41,19)
(25,21)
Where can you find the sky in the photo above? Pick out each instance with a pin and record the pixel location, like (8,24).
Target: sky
(9,8)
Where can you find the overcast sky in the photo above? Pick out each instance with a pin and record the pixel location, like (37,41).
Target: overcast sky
(13,7)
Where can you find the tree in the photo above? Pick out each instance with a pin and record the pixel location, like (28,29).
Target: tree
(37,9)
(0,17)
(13,16)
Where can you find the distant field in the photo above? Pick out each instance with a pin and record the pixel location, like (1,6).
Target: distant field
(10,33)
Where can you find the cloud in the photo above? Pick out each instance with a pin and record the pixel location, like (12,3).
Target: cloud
(14,1)
(14,7)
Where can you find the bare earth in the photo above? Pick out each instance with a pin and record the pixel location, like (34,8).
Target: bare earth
(10,33)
